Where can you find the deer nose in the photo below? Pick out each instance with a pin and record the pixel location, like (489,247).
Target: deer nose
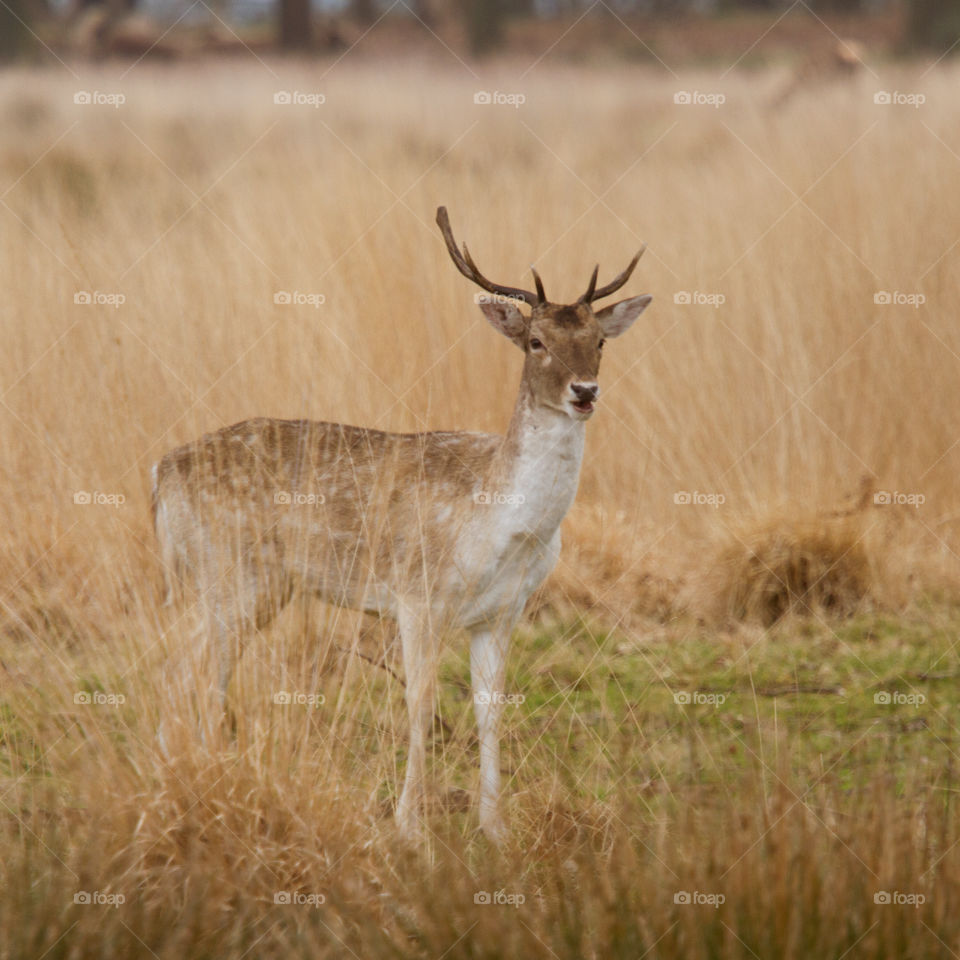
(585,392)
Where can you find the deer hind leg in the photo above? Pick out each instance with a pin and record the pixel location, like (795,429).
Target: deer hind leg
(420,667)
(196,674)
(236,605)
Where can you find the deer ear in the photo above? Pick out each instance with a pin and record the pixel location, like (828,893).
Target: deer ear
(506,318)
(618,317)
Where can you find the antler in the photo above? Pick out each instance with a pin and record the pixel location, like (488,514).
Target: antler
(614,285)
(464,263)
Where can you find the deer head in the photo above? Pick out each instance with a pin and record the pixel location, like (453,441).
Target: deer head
(563,343)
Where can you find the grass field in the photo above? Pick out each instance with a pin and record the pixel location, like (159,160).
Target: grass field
(739,688)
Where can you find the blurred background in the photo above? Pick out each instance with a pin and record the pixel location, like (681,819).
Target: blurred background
(673,29)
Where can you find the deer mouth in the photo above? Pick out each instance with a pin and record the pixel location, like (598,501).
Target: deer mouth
(583,406)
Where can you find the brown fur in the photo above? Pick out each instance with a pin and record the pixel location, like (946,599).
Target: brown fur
(225,493)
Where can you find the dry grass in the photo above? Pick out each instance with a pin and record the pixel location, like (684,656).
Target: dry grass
(198,200)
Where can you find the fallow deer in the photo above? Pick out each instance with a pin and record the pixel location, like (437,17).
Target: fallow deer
(440,531)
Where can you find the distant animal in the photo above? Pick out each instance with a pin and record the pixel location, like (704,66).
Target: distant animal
(839,60)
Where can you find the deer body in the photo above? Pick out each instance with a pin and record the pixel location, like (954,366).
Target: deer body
(440,531)
(313,507)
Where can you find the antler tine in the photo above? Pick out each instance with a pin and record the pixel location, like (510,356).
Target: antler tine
(588,296)
(616,283)
(464,263)
(536,279)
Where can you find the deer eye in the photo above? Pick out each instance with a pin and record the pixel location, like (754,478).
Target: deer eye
(601,343)
(535,344)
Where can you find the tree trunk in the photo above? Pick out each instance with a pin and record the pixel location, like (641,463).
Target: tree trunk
(16,39)
(933,24)
(484,23)
(295,25)
(363,11)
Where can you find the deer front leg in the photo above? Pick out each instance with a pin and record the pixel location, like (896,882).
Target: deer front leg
(420,668)
(488,660)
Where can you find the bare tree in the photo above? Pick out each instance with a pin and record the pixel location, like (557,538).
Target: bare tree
(296,31)
(933,24)
(363,11)
(16,36)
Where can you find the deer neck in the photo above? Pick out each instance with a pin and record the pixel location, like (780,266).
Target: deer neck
(538,465)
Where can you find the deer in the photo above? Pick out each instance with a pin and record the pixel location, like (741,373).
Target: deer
(441,532)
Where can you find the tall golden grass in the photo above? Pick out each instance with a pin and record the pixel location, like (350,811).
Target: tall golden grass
(198,200)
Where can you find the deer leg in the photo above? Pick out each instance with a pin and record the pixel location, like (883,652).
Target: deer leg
(230,645)
(196,674)
(220,649)
(420,667)
(246,603)
(488,659)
